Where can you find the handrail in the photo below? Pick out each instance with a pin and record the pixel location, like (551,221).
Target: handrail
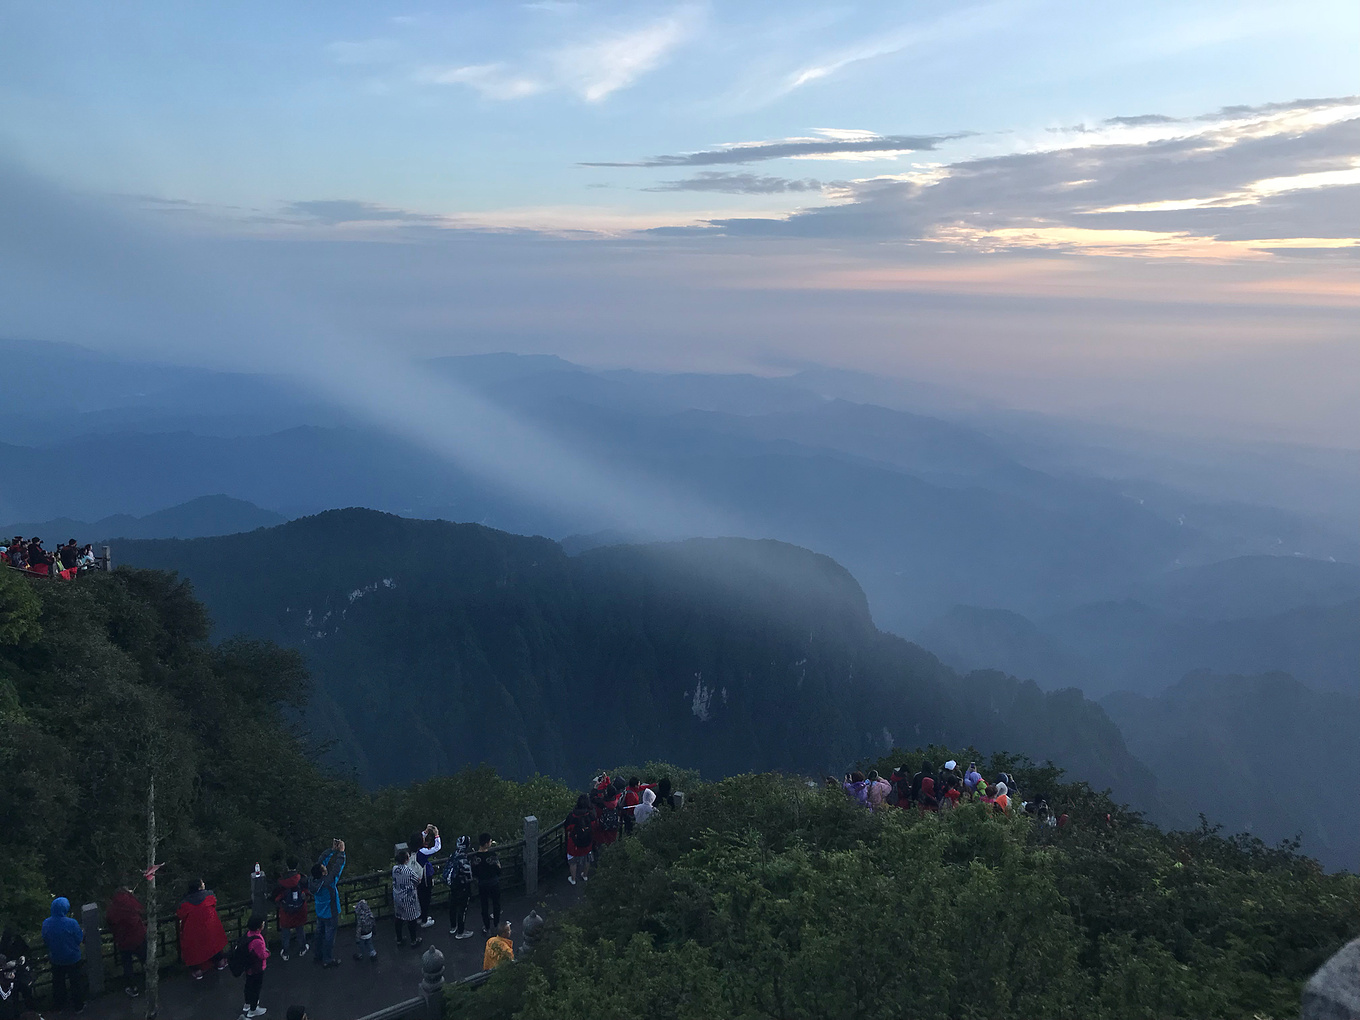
(375,887)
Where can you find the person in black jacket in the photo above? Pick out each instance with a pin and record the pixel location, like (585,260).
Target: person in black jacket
(15,950)
(486,869)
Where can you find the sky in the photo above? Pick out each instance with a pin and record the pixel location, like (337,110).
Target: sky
(1145,213)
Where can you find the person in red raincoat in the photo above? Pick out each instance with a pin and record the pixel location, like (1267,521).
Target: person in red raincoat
(202,939)
(125,918)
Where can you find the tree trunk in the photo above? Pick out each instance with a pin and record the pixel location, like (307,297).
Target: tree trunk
(153,967)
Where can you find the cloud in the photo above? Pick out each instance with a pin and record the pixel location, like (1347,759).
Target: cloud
(602,66)
(493,81)
(951,27)
(333,211)
(593,68)
(1240,183)
(833,143)
(738,184)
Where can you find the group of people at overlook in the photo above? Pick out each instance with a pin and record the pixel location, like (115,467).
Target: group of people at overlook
(931,789)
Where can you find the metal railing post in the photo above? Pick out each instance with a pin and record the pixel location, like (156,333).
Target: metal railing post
(530,855)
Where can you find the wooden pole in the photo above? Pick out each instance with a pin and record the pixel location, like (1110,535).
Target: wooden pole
(153,967)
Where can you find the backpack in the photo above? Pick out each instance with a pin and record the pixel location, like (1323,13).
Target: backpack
(609,817)
(457,872)
(240,956)
(580,832)
(294,899)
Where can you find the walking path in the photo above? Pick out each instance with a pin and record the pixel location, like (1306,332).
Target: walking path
(354,989)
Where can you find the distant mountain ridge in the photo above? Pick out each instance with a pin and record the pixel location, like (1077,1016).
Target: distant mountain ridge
(1263,754)
(436,644)
(1253,613)
(198,518)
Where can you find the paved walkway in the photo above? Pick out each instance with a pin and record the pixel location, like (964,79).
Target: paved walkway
(354,989)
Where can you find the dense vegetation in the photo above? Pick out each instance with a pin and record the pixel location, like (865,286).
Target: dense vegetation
(461,644)
(765,898)
(105,682)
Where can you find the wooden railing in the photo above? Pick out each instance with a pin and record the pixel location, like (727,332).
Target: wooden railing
(375,887)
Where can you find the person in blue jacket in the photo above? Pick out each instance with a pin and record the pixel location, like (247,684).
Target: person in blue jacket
(326,901)
(64,935)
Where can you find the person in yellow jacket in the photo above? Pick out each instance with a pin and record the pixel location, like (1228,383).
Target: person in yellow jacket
(499,948)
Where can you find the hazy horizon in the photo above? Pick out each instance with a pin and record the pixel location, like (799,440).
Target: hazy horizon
(1136,216)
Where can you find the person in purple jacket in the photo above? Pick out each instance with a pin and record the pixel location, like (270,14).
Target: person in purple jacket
(856,787)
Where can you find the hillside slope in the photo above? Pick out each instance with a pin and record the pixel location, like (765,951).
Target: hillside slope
(1260,754)
(437,644)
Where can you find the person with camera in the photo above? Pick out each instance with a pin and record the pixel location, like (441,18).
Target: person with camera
(326,901)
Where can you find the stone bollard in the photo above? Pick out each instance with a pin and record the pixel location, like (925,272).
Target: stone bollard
(432,982)
(678,798)
(259,893)
(530,855)
(94,948)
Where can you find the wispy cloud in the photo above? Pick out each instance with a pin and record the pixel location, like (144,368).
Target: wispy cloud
(593,68)
(493,81)
(833,143)
(599,67)
(738,184)
(332,211)
(953,26)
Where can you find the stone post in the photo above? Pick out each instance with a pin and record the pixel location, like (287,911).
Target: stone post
(259,893)
(432,983)
(530,855)
(108,558)
(679,799)
(94,948)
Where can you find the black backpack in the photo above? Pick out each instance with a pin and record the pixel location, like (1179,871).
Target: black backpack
(240,956)
(609,817)
(294,899)
(457,872)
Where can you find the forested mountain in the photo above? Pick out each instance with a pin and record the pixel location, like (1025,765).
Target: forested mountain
(436,644)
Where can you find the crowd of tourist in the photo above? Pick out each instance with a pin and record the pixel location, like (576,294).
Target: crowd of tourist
(64,562)
(610,808)
(931,789)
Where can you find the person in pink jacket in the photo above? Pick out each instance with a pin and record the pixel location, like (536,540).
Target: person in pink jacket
(259,960)
(876,793)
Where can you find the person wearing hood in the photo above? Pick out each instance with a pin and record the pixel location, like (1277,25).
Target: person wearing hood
(877,790)
(202,939)
(458,877)
(856,787)
(126,920)
(646,809)
(63,936)
(971,779)
(1002,802)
